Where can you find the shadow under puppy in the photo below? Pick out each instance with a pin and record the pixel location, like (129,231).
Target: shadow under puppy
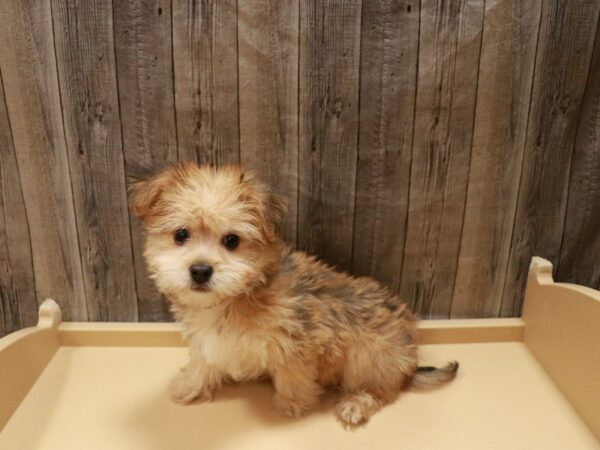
(251,307)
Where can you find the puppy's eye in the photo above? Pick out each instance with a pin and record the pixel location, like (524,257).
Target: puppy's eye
(231,241)
(181,236)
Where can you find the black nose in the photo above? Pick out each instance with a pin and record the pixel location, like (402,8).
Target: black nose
(201,272)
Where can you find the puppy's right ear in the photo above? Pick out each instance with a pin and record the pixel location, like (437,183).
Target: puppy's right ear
(143,196)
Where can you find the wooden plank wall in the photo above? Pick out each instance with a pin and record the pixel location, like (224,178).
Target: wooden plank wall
(31,91)
(433,145)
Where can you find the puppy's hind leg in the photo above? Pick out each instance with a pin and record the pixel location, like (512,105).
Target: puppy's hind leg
(373,377)
(297,390)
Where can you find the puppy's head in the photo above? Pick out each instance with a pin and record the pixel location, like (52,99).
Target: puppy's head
(211,233)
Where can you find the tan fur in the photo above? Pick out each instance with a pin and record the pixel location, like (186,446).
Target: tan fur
(268,310)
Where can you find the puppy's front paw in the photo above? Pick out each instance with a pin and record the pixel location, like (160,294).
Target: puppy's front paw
(288,406)
(184,390)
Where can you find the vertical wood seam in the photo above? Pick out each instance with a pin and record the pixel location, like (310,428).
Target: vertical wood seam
(412,145)
(360,40)
(298,42)
(523,154)
(118,93)
(68,160)
(237,69)
(464,214)
(578,123)
(174,86)
(21,188)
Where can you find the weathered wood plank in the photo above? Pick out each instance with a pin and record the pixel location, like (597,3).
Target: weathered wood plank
(328,127)
(18,305)
(268,79)
(580,248)
(389,50)
(143,45)
(87,75)
(503,94)
(206,80)
(563,59)
(450,39)
(28,67)
(440,181)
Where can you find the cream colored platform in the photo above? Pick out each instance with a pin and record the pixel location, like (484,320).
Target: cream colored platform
(102,386)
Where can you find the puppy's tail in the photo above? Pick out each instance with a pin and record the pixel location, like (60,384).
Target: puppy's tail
(429,377)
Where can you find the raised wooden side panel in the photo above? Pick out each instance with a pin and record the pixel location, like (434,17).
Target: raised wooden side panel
(23,357)
(561,330)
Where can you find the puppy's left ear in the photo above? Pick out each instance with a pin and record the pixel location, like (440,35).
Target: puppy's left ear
(276,208)
(143,195)
(270,208)
(141,198)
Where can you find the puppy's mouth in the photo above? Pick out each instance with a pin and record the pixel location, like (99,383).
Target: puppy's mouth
(200,287)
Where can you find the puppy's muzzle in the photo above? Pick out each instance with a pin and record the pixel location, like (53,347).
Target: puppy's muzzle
(201,273)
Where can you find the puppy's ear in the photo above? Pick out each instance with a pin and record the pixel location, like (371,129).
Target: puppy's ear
(276,209)
(270,208)
(144,195)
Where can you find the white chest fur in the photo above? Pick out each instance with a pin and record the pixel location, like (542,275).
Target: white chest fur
(242,357)
(241,354)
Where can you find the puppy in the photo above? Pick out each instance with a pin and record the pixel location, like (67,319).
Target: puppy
(251,307)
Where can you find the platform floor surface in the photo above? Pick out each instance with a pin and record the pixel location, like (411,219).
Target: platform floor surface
(115,398)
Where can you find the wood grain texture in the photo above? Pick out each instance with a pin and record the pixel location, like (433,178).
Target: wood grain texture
(328,127)
(143,45)
(580,247)
(206,80)
(87,76)
(28,66)
(268,80)
(503,94)
(17,281)
(434,145)
(389,51)
(449,48)
(563,59)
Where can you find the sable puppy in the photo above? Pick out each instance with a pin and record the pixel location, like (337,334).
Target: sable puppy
(251,307)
